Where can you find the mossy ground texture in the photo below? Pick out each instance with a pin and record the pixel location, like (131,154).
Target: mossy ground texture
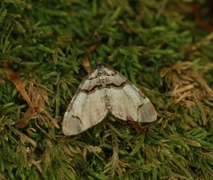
(163,47)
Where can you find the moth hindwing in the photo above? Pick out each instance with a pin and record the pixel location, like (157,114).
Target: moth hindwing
(106,91)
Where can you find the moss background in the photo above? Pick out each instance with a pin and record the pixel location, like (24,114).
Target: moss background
(163,47)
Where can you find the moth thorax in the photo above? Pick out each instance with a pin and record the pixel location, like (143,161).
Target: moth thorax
(103,80)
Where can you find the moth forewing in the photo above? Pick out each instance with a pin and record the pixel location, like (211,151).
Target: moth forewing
(84,111)
(132,103)
(106,90)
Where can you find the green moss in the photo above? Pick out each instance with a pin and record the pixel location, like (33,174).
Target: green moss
(45,42)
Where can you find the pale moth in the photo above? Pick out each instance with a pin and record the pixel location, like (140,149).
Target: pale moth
(106,91)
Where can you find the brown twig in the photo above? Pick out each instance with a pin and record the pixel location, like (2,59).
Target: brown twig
(86,63)
(15,79)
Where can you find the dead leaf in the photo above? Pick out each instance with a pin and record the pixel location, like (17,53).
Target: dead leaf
(15,79)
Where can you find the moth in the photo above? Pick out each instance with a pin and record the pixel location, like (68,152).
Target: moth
(106,91)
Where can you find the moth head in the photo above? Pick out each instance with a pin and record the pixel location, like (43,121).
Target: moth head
(100,68)
(99,65)
(104,69)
